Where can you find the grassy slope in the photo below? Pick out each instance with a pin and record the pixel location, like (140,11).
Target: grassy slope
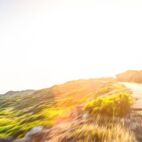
(21,112)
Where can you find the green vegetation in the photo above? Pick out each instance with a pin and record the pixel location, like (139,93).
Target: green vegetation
(22,111)
(116,105)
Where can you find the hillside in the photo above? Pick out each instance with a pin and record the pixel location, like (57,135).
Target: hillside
(75,105)
(26,109)
(130,76)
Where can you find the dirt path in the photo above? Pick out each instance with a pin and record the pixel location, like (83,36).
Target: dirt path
(137,93)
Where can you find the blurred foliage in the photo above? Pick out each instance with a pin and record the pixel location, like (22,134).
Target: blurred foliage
(21,111)
(92,133)
(116,105)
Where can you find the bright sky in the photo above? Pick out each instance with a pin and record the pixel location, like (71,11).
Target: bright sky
(46,42)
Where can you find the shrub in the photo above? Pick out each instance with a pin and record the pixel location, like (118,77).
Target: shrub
(117,105)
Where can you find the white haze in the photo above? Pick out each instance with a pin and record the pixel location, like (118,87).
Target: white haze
(46,42)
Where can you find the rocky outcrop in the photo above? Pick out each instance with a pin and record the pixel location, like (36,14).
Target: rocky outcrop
(36,134)
(8,139)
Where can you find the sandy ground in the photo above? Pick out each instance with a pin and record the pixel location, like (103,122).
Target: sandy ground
(137,93)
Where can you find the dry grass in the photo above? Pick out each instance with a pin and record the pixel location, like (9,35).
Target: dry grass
(92,133)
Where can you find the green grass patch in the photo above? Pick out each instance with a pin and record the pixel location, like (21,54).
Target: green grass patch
(116,105)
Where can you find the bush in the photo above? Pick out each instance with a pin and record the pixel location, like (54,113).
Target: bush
(117,105)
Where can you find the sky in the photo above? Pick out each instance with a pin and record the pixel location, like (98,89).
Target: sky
(47,42)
